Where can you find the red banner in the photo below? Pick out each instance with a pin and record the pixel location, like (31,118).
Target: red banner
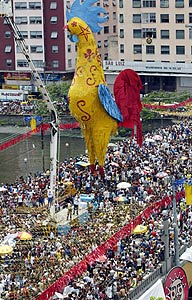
(125,231)
(26,135)
(173,106)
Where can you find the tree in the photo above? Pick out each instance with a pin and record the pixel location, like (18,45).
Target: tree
(58,93)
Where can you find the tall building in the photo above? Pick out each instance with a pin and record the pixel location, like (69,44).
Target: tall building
(150,36)
(153,38)
(41,23)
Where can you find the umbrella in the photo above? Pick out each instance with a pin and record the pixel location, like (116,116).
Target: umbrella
(158,137)
(82,163)
(123,185)
(184,158)
(120,199)
(161,174)
(24,236)
(112,145)
(5,249)
(139,229)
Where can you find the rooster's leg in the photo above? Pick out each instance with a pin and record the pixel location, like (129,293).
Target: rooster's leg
(90,149)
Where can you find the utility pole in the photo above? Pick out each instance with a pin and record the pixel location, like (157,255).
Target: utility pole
(175,224)
(42,147)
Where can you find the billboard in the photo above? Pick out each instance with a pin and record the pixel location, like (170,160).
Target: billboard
(11,95)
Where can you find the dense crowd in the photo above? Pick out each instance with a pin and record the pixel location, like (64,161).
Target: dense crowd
(36,264)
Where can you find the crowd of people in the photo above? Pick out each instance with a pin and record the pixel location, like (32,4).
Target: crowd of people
(16,108)
(35,264)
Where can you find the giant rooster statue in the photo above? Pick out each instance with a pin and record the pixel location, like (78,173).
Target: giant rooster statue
(90,100)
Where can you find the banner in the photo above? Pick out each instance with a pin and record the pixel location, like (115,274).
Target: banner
(44,127)
(188,193)
(173,106)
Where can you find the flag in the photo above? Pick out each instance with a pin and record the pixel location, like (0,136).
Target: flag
(33,124)
(188,193)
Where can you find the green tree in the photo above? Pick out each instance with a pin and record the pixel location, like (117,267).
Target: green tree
(58,93)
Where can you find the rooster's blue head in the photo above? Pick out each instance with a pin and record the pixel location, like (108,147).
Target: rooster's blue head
(88,13)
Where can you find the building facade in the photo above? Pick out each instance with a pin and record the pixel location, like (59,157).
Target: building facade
(41,24)
(153,37)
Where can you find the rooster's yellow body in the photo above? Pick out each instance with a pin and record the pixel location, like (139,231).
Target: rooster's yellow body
(84,103)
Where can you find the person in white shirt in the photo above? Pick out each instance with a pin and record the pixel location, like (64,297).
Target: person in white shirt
(76,204)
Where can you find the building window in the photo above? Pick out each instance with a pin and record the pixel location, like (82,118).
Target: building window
(121,33)
(114,16)
(190,34)
(35,20)
(137,49)
(121,18)
(99,44)
(53,5)
(9,62)
(36,49)
(190,17)
(136,18)
(149,18)
(164,3)
(150,49)
(38,63)
(149,32)
(55,49)
(149,3)
(105,3)
(53,20)
(24,34)
(164,34)
(7,34)
(179,3)
(136,33)
(69,48)
(22,64)
(120,3)
(20,5)
(34,5)
(54,35)
(68,4)
(36,34)
(136,3)
(180,50)
(7,49)
(122,50)
(55,64)
(180,34)
(69,63)
(190,3)
(106,29)
(21,20)
(105,43)
(114,28)
(179,18)
(165,50)
(164,18)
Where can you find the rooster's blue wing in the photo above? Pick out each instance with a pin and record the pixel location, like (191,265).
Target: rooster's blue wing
(109,103)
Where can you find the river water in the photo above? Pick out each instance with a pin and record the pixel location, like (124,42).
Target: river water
(27,156)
